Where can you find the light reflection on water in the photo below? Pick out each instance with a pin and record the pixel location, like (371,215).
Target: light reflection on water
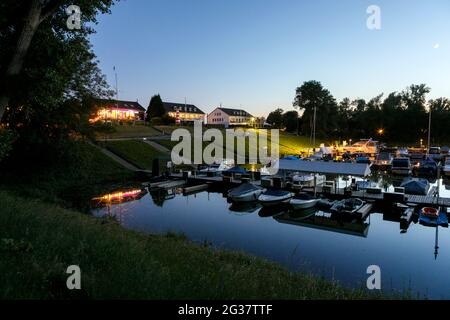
(334,249)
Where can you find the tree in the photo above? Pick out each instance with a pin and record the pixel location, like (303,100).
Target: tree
(290,121)
(440,109)
(155,108)
(275,118)
(49,103)
(391,110)
(312,98)
(20,22)
(415,120)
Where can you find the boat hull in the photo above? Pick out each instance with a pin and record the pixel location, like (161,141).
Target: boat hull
(303,204)
(401,171)
(270,201)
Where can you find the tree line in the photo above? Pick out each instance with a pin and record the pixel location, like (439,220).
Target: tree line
(399,117)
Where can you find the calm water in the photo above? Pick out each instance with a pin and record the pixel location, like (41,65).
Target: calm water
(318,244)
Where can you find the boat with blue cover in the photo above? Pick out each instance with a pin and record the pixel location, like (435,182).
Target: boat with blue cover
(427,167)
(433,217)
(416,186)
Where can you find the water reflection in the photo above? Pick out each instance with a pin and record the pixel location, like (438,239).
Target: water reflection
(313,241)
(245,208)
(325,221)
(161,195)
(118,197)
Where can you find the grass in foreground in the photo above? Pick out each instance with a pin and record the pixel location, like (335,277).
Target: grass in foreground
(136,152)
(39,241)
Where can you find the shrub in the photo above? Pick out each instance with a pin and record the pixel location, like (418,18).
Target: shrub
(7,138)
(157,121)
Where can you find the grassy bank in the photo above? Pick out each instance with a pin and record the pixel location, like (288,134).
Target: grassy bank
(39,241)
(128,131)
(70,184)
(288,144)
(136,152)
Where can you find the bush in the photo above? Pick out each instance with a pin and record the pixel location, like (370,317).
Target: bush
(167,120)
(7,138)
(156,121)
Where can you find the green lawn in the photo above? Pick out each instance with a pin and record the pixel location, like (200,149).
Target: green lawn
(136,152)
(129,131)
(289,144)
(38,241)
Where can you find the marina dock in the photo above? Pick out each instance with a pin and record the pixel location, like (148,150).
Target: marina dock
(423,200)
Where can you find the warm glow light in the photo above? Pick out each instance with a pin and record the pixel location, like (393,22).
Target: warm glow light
(380,131)
(118,196)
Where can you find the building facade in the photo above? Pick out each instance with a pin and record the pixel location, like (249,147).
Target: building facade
(113,110)
(184,112)
(230,117)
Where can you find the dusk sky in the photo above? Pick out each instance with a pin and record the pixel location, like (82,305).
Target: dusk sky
(254,53)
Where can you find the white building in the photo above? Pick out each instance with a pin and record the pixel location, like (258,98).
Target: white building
(230,117)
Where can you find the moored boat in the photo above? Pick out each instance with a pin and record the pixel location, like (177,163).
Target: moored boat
(303,201)
(246,192)
(446,169)
(218,167)
(307,180)
(427,167)
(433,217)
(416,186)
(383,160)
(347,206)
(274,197)
(401,166)
(430,212)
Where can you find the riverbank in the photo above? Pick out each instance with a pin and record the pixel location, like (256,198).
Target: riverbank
(40,240)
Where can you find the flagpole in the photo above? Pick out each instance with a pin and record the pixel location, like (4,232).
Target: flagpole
(117,88)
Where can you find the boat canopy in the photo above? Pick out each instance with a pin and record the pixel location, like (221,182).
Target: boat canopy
(416,186)
(236,170)
(243,188)
(291,158)
(325,167)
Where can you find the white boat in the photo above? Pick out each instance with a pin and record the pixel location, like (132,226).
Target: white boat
(219,167)
(303,201)
(447,168)
(383,160)
(401,166)
(367,146)
(307,180)
(402,153)
(246,192)
(274,197)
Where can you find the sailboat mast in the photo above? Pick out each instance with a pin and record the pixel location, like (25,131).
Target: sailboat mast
(429,131)
(314,127)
